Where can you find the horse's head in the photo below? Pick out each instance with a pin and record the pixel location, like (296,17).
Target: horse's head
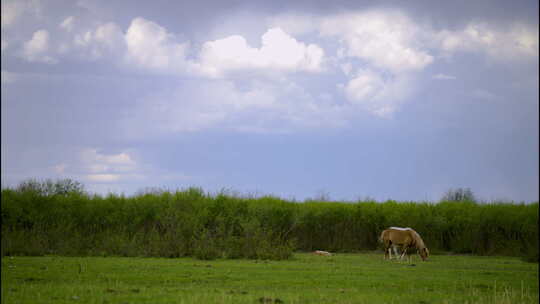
(424,253)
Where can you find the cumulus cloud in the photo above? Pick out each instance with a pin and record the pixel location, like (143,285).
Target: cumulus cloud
(279,51)
(36,48)
(379,52)
(149,45)
(380,95)
(388,40)
(366,86)
(517,42)
(106,40)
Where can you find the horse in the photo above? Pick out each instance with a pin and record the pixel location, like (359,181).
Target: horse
(404,237)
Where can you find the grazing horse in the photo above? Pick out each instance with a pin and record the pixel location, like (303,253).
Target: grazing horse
(404,237)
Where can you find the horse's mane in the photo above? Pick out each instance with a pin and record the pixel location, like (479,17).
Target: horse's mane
(400,228)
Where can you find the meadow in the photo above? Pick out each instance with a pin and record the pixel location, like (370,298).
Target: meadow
(303,278)
(63,245)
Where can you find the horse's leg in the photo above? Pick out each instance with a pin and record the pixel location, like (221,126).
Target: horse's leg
(404,248)
(396,253)
(387,250)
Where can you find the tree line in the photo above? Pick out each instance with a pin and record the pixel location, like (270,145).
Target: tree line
(62,219)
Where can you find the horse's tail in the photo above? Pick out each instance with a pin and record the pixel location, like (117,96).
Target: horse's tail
(381,237)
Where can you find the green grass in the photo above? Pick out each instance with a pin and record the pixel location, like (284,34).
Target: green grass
(306,278)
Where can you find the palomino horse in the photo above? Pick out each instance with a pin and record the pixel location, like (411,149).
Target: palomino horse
(404,237)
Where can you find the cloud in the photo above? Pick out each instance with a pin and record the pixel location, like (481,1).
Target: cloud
(376,55)
(517,42)
(100,171)
(379,51)
(279,52)
(95,167)
(98,162)
(35,49)
(149,45)
(257,106)
(366,86)
(106,40)
(441,76)
(68,24)
(388,40)
(379,95)
(193,107)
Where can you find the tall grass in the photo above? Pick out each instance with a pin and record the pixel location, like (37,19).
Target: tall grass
(191,222)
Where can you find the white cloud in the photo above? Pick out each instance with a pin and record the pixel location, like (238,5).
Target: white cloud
(97,170)
(388,40)
(516,42)
(210,103)
(36,48)
(442,76)
(106,40)
(93,157)
(380,95)
(378,51)
(260,106)
(279,51)
(364,87)
(68,24)
(150,46)
(391,49)
(95,167)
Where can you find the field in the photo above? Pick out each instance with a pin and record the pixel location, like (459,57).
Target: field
(304,278)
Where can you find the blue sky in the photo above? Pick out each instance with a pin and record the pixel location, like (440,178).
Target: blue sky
(347,99)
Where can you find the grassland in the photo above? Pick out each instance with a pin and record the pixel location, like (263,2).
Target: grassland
(304,278)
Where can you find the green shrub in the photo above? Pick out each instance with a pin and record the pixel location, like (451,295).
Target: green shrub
(192,223)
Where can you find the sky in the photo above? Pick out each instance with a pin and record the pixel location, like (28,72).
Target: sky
(345,100)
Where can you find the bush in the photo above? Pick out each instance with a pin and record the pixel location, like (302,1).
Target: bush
(192,223)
